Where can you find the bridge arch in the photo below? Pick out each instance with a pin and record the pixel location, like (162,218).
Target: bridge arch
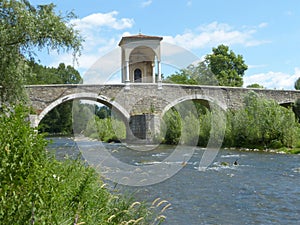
(286,104)
(208,99)
(83,96)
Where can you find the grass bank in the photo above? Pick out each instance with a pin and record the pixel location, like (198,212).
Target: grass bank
(36,188)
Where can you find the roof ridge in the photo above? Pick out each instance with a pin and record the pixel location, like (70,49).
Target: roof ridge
(140,36)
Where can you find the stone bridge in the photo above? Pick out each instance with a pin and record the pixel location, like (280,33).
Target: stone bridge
(139,101)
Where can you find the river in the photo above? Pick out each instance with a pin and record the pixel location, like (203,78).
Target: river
(264,188)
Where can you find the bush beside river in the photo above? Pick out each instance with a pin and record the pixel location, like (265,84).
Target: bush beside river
(36,188)
(261,124)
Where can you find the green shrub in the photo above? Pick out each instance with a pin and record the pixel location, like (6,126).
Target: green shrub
(275,144)
(262,123)
(171,127)
(190,130)
(36,188)
(106,129)
(297,145)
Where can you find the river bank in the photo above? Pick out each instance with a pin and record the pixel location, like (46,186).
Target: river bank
(278,151)
(282,150)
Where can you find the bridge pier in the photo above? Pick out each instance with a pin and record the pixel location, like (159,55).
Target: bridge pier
(143,129)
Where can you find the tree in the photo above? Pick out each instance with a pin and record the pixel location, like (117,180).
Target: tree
(68,74)
(194,75)
(296,109)
(221,68)
(255,86)
(82,113)
(58,120)
(228,67)
(102,112)
(181,77)
(297,84)
(41,75)
(49,75)
(262,123)
(171,126)
(23,29)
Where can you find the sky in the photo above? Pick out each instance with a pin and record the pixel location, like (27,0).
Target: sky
(266,33)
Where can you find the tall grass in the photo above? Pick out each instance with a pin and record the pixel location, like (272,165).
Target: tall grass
(35,188)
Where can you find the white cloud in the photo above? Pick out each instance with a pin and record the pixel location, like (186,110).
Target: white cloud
(98,20)
(262,25)
(146,3)
(273,80)
(99,32)
(214,34)
(257,66)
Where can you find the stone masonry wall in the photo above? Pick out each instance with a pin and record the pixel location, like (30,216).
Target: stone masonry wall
(149,98)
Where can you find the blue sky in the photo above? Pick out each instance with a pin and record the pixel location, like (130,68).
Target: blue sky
(266,33)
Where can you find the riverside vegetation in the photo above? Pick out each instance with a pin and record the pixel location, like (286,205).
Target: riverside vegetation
(261,124)
(36,188)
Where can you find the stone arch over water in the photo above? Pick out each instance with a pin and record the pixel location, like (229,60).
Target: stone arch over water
(82,96)
(205,100)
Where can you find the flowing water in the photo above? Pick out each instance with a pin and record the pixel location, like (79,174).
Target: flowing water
(264,188)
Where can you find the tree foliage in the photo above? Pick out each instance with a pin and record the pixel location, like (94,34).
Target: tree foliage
(82,113)
(261,123)
(103,111)
(255,85)
(49,75)
(297,84)
(228,67)
(296,109)
(58,120)
(24,29)
(107,129)
(171,126)
(194,75)
(221,68)
(77,117)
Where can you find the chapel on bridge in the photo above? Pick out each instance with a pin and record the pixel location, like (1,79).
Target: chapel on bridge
(141,59)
